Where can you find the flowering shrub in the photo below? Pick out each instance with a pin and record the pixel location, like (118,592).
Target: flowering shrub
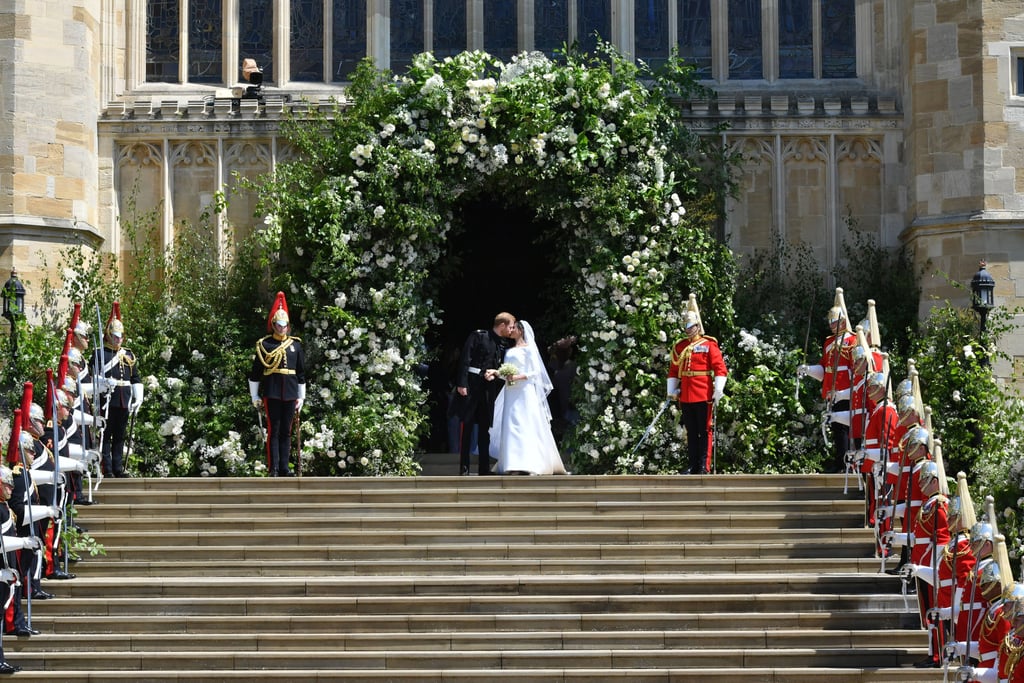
(768,423)
(979,419)
(365,215)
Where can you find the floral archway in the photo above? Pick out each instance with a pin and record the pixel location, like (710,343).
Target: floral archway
(596,147)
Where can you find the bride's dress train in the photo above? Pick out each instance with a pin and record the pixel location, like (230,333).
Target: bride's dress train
(521,438)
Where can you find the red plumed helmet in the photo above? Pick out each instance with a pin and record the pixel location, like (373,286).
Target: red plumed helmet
(62,369)
(278,312)
(12,445)
(26,404)
(115,327)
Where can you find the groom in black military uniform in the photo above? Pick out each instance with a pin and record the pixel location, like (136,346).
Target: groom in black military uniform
(482,353)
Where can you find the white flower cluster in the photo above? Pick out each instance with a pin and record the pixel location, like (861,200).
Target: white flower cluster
(229,453)
(361,154)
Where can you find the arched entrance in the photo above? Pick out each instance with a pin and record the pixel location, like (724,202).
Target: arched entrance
(499,258)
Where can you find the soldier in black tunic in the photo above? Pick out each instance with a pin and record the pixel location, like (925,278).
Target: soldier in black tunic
(118,366)
(482,353)
(8,566)
(277,385)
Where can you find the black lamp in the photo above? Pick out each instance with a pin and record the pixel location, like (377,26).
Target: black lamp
(14,297)
(14,307)
(983,287)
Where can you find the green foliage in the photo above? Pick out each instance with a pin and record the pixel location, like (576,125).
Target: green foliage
(188,319)
(979,418)
(364,219)
(870,271)
(769,422)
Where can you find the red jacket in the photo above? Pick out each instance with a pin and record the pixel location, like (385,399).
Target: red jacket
(838,371)
(696,363)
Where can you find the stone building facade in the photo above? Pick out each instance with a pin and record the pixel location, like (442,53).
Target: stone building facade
(904,117)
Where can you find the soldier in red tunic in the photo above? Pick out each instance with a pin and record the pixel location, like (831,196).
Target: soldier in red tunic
(697,375)
(835,372)
(879,442)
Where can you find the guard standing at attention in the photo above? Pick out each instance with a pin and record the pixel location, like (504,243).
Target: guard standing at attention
(277,385)
(697,375)
(118,365)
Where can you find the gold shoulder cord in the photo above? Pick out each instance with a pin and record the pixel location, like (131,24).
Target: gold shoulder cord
(272,360)
(682,358)
(1014,648)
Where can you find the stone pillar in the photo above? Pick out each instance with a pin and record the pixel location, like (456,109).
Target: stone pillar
(52,51)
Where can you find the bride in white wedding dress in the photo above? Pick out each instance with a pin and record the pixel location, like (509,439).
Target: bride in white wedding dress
(521,438)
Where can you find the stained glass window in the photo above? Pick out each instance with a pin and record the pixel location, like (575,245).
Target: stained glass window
(651,31)
(162,43)
(449,27)
(593,19)
(695,34)
(796,39)
(745,60)
(406,32)
(349,37)
(551,25)
(205,42)
(306,41)
(501,35)
(256,34)
(838,39)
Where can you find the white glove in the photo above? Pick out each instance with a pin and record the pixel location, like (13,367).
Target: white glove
(815,371)
(673,387)
(301,399)
(137,396)
(33,543)
(923,572)
(896,539)
(254,393)
(719,389)
(982,674)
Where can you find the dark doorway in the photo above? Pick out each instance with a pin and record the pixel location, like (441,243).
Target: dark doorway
(499,258)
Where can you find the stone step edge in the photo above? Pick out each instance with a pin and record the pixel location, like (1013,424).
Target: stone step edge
(589,675)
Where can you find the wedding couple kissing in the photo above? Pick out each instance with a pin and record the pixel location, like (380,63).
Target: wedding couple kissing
(502,385)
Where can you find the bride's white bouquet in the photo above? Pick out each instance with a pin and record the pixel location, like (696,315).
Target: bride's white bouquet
(506,371)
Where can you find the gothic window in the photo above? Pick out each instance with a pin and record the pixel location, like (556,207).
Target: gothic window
(501,31)
(348,45)
(306,42)
(593,22)
(551,22)
(694,34)
(255,34)
(722,39)
(796,39)
(838,39)
(449,28)
(406,32)
(205,31)
(745,39)
(162,43)
(651,30)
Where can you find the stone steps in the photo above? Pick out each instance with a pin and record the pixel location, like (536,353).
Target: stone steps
(718,578)
(411,565)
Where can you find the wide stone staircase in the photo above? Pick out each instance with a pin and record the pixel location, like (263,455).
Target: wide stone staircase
(432,578)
